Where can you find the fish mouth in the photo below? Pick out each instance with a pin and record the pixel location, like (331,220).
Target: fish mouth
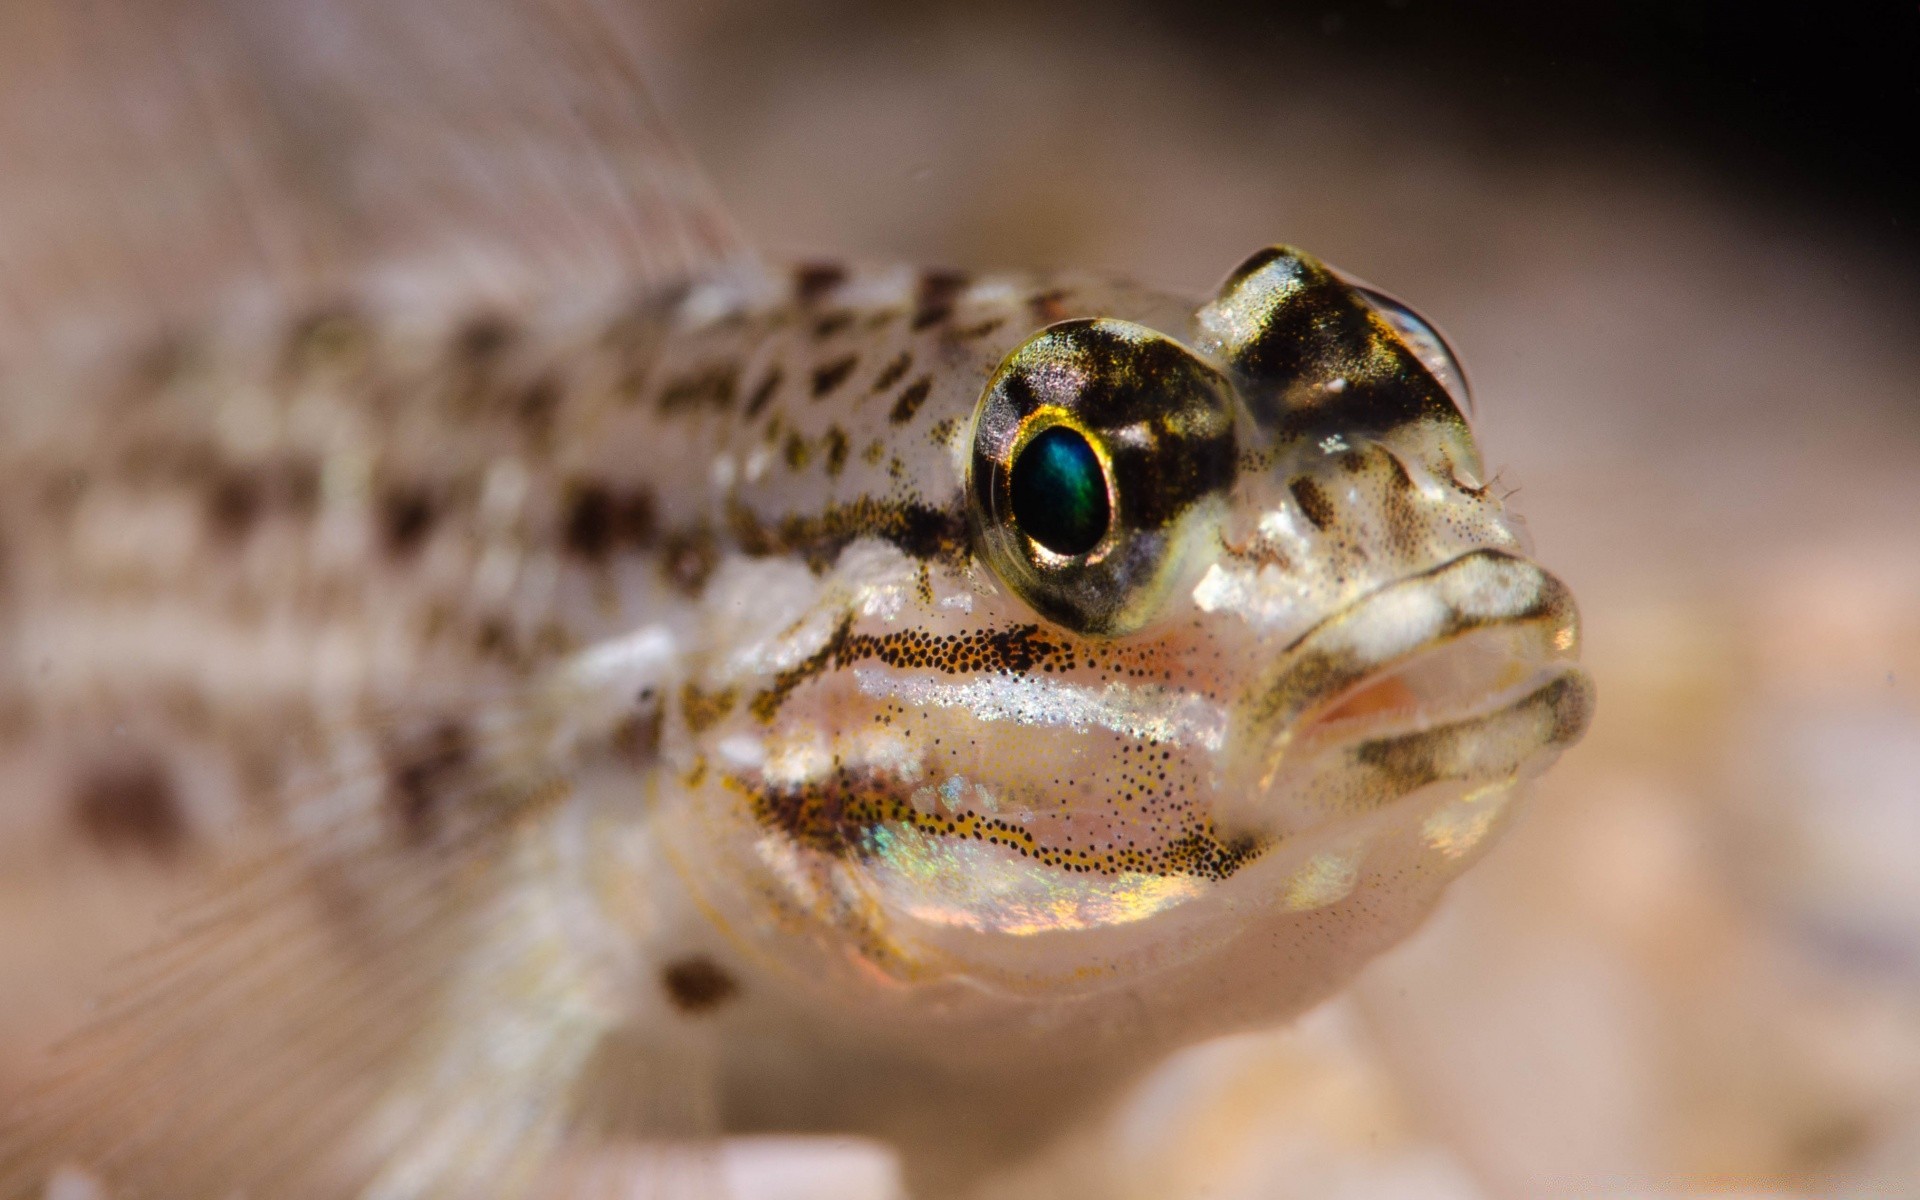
(1465,671)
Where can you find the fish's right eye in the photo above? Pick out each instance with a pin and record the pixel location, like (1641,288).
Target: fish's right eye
(1059,492)
(1092,443)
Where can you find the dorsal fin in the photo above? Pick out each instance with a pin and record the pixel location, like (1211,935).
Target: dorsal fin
(163,157)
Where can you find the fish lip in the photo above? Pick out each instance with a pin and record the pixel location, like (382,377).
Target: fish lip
(1523,611)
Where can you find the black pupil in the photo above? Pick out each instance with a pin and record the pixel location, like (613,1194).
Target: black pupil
(1060,493)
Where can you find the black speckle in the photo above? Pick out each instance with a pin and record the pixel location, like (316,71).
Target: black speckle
(697,985)
(130,804)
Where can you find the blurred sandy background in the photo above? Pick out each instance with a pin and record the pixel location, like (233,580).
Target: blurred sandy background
(1676,251)
(1673,247)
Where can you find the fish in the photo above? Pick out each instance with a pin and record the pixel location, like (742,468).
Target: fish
(631,692)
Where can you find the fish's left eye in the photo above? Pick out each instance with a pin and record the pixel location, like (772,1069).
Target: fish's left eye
(1094,445)
(1426,343)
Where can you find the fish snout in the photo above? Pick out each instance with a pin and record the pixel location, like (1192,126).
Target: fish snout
(1465,672)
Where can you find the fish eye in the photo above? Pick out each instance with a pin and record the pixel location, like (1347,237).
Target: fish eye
(1097,447)
(1059,492)
(1426,343)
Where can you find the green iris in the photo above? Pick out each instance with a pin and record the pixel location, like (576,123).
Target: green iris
(1060,493)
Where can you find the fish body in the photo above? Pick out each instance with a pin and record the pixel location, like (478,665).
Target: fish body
(675,675)
(618,693)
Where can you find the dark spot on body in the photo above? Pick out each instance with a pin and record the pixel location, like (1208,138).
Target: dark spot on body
(697,985)
(407,515)
(710,388)
(422,774)
(483,338)
(796,451)
(918,530)
(910,401)
(1313,502)
(893,372)
(600,521)
(538,405)
(831,324)
(811,281)
(830,376)
(494,640)
(934,297)
(130,804)
(836,444)
(234,506)
(973,332)
(763,393)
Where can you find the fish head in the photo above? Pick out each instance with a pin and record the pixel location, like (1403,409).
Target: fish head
(1233,660)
